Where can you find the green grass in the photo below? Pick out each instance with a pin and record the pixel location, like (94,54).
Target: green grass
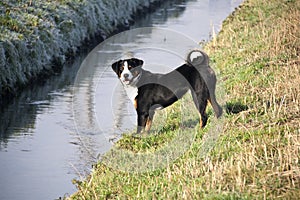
(255,155)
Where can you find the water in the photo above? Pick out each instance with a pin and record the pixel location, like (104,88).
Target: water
(54,131)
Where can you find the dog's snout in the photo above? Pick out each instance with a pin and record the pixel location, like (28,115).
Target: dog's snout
(126,75)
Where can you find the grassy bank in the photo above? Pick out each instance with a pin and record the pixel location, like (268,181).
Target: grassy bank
(257,154)
(37,36)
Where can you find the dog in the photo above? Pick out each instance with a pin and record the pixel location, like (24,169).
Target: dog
(151,91)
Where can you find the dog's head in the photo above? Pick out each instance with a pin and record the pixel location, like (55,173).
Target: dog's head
(128,70)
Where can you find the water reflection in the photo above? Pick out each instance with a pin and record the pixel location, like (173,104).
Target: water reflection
(19,117)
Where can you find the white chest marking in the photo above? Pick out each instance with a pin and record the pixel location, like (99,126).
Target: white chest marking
(131,92)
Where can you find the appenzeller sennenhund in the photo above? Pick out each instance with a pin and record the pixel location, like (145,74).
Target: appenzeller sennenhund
(150,91)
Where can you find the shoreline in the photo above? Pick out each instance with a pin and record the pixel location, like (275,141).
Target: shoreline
(38,38)
(257,153)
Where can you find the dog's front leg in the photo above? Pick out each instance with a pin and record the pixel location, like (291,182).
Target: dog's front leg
(142,121)
(149,121)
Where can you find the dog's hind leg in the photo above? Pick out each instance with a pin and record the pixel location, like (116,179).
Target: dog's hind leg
(201,104)
(203,115)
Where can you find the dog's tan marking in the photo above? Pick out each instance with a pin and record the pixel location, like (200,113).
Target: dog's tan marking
(135,103)
(209,102)
(200,121)
(148,125)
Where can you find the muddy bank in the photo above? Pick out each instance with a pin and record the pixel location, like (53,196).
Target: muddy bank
(37,37)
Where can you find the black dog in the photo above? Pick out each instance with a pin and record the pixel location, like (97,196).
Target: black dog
(149,91)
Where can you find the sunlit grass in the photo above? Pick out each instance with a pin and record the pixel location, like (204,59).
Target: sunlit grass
(257,154)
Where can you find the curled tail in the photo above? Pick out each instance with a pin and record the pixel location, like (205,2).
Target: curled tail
(200,61)
(198,58)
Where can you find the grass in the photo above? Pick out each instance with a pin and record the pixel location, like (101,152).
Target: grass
(256,155)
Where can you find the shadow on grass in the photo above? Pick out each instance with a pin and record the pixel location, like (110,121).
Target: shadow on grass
(235,107)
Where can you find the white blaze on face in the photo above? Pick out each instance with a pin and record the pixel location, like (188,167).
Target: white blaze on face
(126,71)
(126,66)
(131,91)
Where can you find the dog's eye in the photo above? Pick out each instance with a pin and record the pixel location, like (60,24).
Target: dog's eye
(135,71)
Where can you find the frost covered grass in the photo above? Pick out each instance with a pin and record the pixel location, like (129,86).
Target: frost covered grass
(257,155)
(37,36)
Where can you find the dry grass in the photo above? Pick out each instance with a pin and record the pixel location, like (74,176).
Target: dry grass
(258,153)
(258,53)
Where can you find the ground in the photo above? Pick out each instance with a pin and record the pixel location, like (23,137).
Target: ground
(257,152)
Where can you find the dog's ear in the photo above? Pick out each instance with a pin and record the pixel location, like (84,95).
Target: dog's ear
(137,62)
(115,66)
